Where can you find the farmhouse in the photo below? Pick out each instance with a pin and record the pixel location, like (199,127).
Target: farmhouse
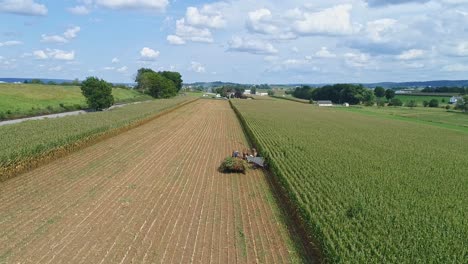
(454,99)
(247,92)
(324,103)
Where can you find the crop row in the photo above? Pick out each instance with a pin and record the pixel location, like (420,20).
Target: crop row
(27,144)
(369,190)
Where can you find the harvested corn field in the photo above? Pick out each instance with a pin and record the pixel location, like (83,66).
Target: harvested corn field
(150,195)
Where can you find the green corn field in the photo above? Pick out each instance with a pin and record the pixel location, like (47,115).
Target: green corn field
(369,189)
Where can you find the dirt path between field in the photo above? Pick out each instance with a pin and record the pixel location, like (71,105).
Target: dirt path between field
(150,195)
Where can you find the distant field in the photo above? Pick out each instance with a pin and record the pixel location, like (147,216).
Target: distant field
(369,189)
(18,100)
(443,100)
(449,119)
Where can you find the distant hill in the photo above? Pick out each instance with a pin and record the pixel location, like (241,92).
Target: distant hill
(438,83)
(14,80)
(212,84)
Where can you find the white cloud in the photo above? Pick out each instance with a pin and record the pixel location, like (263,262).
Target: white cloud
(295,62)
(331,21)
(115,60)
(149,54)
(377,29)
(54,54)
(10,43)
(53,39)
(23,7)
(153,5)
(196,24)
(455,68)
(71,32)
(40,54)
(324,53)
(195,34)
(56,68)
(108,68)
(461,49)
(254,46)
(79,10)
(122,69)
(61,55)
(262,21)
(175,40)
(68,35)
(197,67)
(411,54)
(206,17)
(357,59)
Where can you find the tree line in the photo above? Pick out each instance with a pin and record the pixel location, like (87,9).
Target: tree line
(446,89)
(227,90)
(165,84)
(341,93)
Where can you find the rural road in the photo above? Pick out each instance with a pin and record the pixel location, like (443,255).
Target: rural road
(150,195)
(58,115)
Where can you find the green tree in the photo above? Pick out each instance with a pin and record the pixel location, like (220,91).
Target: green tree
(175,77)
(462,104)
(98,93)
(411,103)
(368,97)
(37,81)
(158,85)
(395,102)
(142,84)
(253,90)
(425,103)
(434,103)
(379,91)
(380,102)
(389,94)
(75,82)
(271,92)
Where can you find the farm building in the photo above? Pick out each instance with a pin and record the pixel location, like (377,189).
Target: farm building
(247,92)
(454,99)
(346,105)
(324,103)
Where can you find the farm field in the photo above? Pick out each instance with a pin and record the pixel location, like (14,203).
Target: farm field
(19,100)
(150,195)
(25,143)
(419,99)
(369,189)
(435,116)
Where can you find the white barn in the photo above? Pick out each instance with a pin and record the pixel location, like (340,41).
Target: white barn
(324,103)
(454,99)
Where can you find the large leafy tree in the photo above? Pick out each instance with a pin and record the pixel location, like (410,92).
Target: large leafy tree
(142,84)
(379,91)
(98,93)
(389,94)
(158,86)
(175,77)
(368,97)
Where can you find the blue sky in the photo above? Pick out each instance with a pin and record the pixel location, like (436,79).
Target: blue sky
(244,41)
